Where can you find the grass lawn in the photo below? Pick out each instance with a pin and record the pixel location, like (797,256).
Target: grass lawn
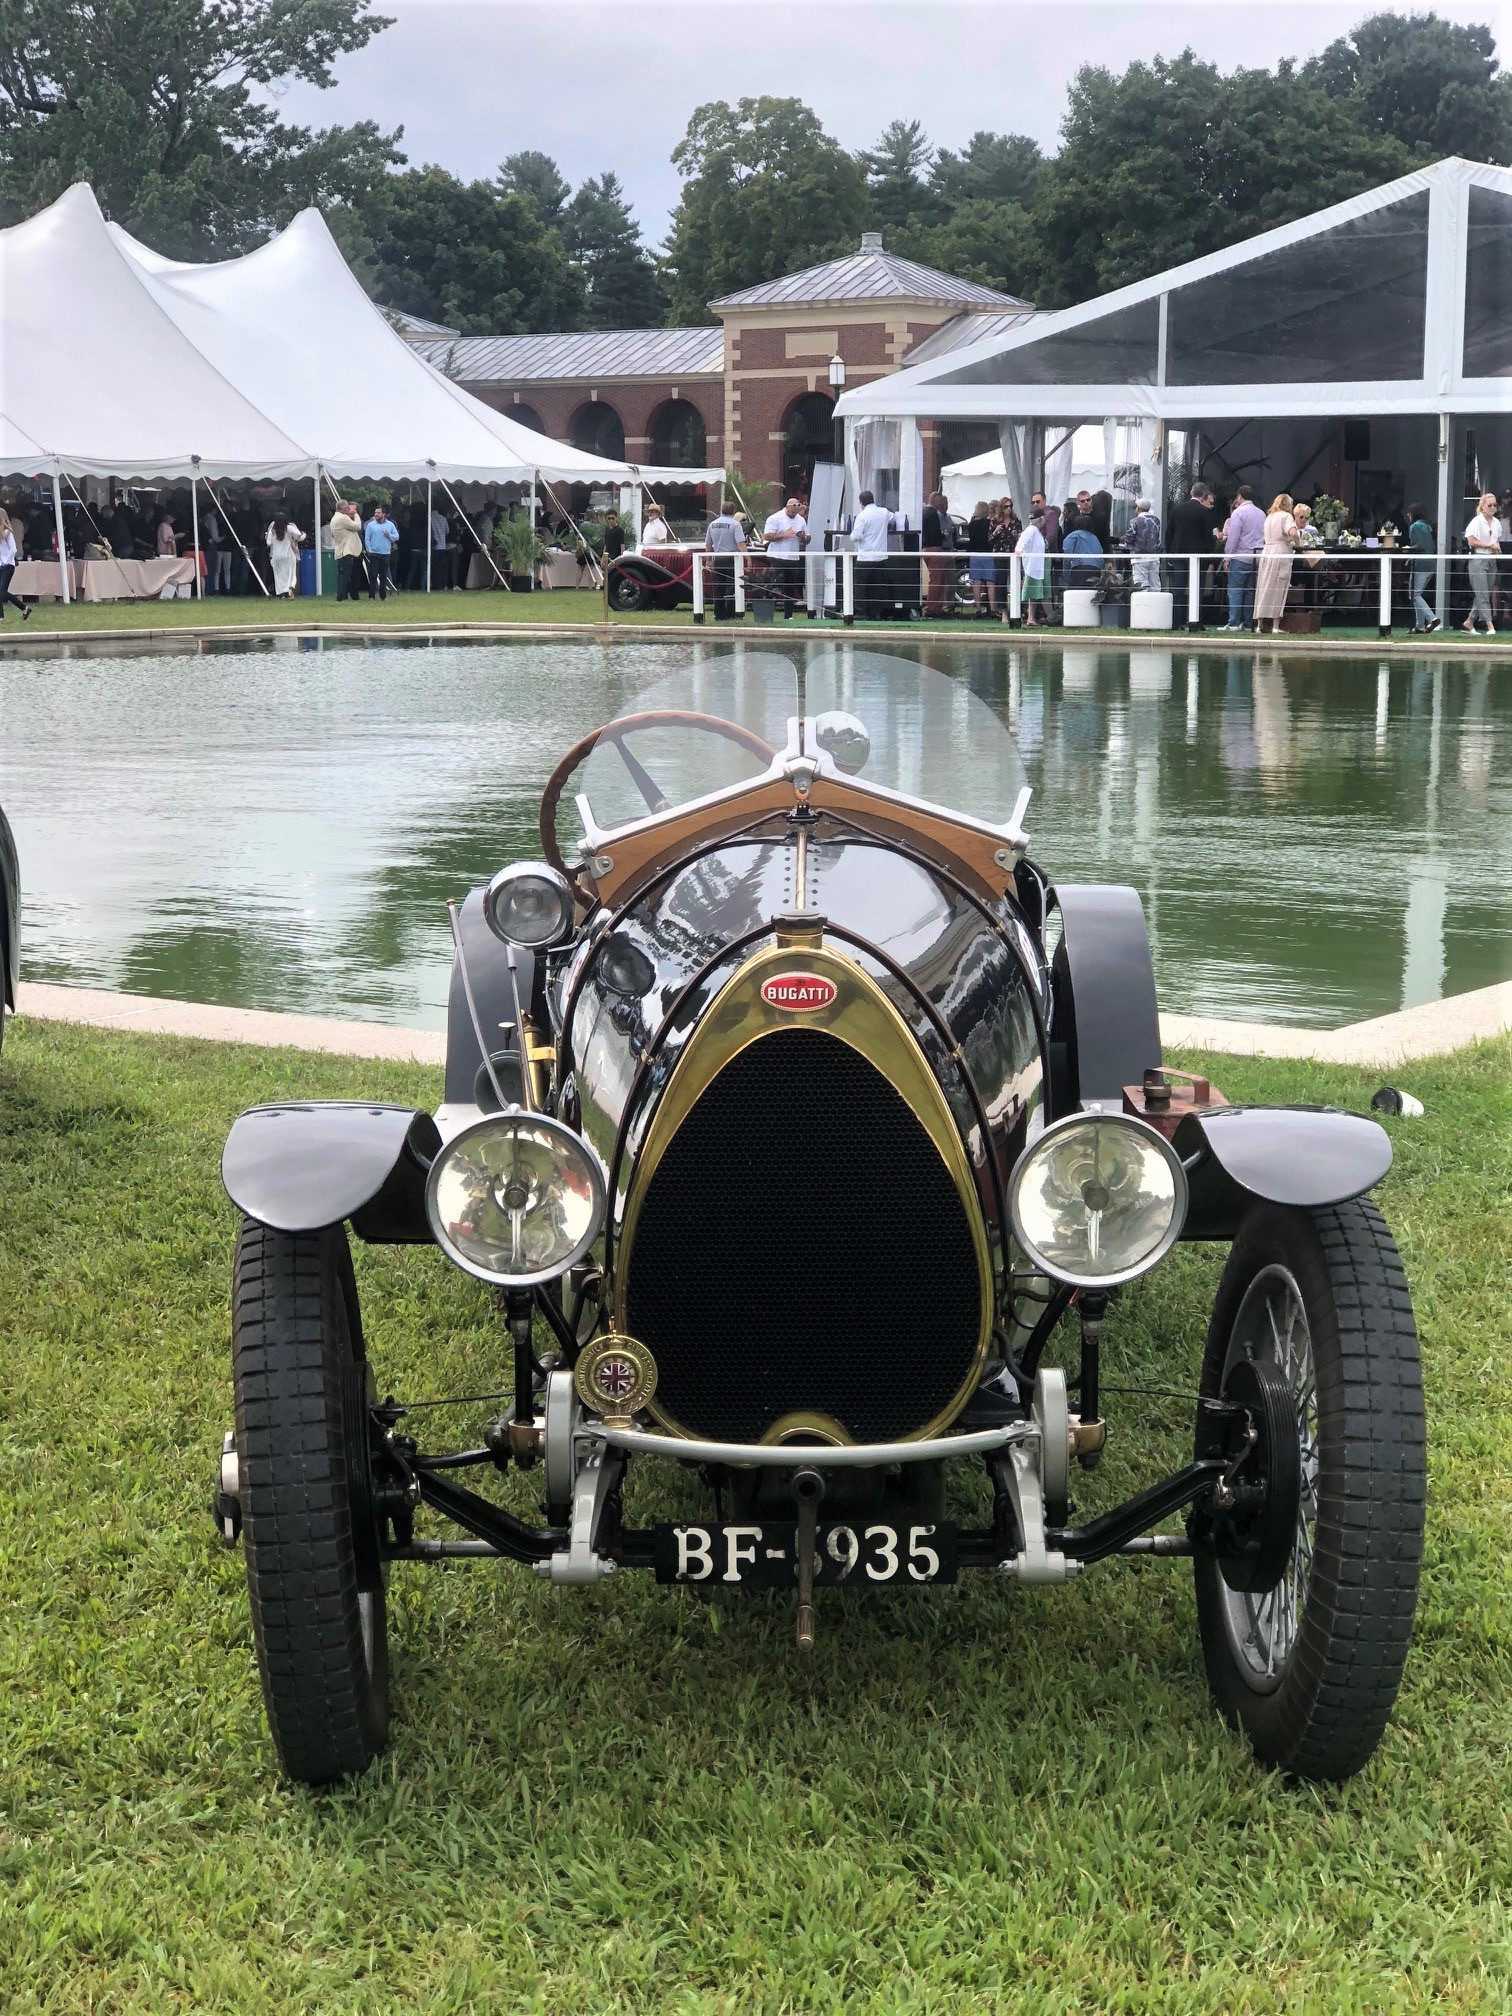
(561,605)
(631,1799)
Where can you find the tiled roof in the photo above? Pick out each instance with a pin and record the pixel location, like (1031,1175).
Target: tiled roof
(962,329)
(868,275)
(588,354)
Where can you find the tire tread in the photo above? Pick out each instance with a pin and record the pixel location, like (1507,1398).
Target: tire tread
(328,1715)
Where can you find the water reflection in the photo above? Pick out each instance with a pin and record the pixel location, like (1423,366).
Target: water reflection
(278,822)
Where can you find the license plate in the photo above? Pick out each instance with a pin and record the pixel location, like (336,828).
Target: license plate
(765,1556)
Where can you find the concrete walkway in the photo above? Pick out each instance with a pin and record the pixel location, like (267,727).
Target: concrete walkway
(1428,1031)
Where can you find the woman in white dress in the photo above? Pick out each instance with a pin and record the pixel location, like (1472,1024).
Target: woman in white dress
(284,542)
(1276,563)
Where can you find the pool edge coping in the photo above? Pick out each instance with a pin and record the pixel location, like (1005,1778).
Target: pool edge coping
(1432,1029)
(1477,649)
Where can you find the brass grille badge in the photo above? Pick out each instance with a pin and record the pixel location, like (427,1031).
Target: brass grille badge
(615,1377)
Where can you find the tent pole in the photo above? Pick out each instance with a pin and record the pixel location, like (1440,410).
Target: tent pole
(481,547)
(315,534)
(84,507)
(429,535)
(62,541)
(597,574)
(226,521)
(199,583)
(1441,569)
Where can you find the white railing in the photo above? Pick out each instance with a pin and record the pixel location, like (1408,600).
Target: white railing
(1180,574)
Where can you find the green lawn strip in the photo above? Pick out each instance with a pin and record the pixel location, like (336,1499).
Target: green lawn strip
(488,606)
(629,1798)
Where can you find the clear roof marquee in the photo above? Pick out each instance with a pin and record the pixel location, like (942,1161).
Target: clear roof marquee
(1402,294)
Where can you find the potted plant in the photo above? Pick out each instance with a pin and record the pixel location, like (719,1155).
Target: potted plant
(1328,515)
(519,547)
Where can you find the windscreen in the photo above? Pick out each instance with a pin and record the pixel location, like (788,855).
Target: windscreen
(718,723)
(901,726)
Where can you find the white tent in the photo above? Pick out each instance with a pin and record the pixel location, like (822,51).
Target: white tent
(19,454)
(115,361)
(97,376)
(292,327)
(1074,457)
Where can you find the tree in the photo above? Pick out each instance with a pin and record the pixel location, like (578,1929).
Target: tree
(895,169)
(155,103)
(1172,160)
(536,177)
(990,242)
(1427,82)
(991,168)
(460,253)
(623,291)
(765,191)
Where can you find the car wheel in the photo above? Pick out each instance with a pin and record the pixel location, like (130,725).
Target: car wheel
(626,593)
(311,1537)
(1309,1668)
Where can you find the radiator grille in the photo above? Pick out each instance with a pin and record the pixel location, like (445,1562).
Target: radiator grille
(802,1248)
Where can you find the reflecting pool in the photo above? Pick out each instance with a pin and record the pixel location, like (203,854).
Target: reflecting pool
(278,824)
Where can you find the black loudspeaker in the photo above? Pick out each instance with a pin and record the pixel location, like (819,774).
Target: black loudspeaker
(1356,440)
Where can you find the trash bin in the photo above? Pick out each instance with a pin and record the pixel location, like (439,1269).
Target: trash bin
(306,571)
(327,571)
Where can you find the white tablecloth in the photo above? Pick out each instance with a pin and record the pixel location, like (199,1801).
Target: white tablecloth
(101,580)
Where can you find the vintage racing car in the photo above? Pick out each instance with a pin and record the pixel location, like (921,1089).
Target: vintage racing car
(799,1124)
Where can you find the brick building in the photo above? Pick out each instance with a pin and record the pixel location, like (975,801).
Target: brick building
(752,392)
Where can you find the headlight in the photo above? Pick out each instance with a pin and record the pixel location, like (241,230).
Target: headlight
(529,905)
(516,1198)
(1098,1199)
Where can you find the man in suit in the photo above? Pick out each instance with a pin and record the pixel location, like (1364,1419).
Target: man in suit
(1191,531)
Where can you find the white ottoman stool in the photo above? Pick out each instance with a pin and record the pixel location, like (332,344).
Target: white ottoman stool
(1081,610)
(1149,609)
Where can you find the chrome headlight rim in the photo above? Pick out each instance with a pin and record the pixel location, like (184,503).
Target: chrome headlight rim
(499,887)
(491,1123)
(1143,1131)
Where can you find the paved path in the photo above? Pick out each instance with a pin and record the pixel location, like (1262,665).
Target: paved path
(1428,1031)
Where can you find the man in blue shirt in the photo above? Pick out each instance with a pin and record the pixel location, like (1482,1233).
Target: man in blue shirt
(379,538)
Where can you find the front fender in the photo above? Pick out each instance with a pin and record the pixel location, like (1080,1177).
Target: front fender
(299,1168)
(1307,1156)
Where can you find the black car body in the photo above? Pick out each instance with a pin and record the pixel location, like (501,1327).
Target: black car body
(821,1125)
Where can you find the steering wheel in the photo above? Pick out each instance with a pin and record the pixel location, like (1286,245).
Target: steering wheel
(630,724)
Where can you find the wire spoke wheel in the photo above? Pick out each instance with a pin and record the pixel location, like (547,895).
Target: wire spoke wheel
(1308,1663)
(1272,1325)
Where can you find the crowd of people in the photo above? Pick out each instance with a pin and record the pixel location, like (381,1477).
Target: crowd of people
(251,540)
(1248,554)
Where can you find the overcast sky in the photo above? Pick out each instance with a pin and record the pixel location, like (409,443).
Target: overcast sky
(612,86)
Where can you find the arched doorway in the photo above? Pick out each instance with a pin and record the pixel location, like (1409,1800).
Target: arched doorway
(598,430)
(678,439)
(527,416)
(807,432)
